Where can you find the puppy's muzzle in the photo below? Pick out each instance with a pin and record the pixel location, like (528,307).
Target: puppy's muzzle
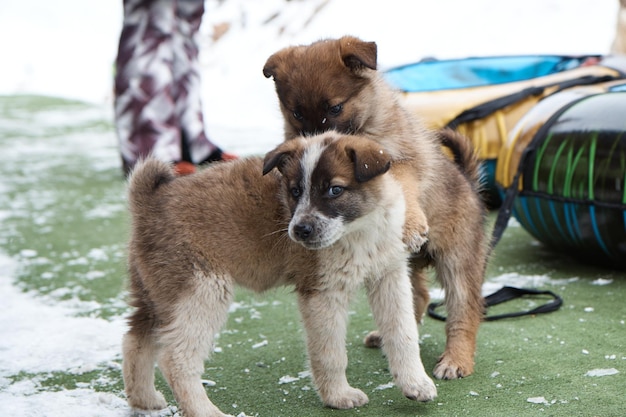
(313,232)
(303,231)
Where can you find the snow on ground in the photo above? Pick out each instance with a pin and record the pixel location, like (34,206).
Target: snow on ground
(34,329)
(66,48)
(41,337)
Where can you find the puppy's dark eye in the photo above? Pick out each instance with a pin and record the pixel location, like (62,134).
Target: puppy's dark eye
(297,115)
(335,110)
(335,191)
(296,192)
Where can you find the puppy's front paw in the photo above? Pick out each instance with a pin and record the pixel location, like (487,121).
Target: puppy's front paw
(448,368)
(415,238)
(345,398)
(421,388)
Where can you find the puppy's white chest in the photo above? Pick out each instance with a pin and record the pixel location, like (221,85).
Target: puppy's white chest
(365,254)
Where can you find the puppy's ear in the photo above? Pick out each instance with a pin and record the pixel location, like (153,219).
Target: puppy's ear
(275,62)
(269,69)
(357,54)
(369,158)
(279,156)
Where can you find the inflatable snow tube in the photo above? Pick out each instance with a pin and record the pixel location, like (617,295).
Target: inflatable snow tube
(566,160)
(484,97)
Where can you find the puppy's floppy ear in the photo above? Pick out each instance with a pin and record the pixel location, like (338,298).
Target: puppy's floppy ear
(277,157)
(357,54)
(269,69)
(369,158)
(276,61)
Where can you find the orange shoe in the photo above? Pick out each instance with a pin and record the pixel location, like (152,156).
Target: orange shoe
(184,168)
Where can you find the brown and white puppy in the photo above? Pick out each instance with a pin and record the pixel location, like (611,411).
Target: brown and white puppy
(333,84)
(327,217)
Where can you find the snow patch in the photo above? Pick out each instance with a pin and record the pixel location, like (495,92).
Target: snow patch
(40,338)
(524,281)
(602,281)
(602,372)
(77,402)
(260,344)
(385,386)
(287,379)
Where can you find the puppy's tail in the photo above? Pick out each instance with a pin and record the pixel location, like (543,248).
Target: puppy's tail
(145,179)
(465,155)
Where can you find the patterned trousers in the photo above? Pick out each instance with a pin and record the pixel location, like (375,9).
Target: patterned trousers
(157,104)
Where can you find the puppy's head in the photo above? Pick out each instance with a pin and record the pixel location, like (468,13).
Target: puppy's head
(330,181)
(323,86)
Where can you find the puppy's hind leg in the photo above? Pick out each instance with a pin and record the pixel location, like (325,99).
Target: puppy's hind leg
(392,305)
(187,339)
(421,295)
(139,350)
(325,318)
(462,280)
(139,353)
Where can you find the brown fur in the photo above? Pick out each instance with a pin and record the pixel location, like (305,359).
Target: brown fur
(193,238)
(333,84)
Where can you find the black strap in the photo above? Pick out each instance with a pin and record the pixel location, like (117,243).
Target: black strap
(506,294)
(489,107)
(506,209)
(485,109)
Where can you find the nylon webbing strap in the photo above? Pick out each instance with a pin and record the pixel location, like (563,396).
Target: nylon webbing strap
(486,109)
(507,294)
(506,209)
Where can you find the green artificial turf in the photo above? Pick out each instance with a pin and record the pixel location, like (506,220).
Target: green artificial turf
(64,219)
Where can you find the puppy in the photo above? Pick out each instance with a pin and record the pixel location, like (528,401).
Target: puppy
(327,217)
(333,84)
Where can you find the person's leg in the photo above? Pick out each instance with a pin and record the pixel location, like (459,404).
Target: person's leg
(145,113)
(197,147)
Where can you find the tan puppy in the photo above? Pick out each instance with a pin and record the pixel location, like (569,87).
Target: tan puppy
(326,218)
(333,84)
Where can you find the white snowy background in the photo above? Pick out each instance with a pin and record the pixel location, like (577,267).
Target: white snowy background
(66,48)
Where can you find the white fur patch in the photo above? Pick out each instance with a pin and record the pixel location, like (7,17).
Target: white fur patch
(333,228)
(309,161)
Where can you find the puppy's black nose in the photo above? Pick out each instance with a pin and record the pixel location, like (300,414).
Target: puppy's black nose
(303,230)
